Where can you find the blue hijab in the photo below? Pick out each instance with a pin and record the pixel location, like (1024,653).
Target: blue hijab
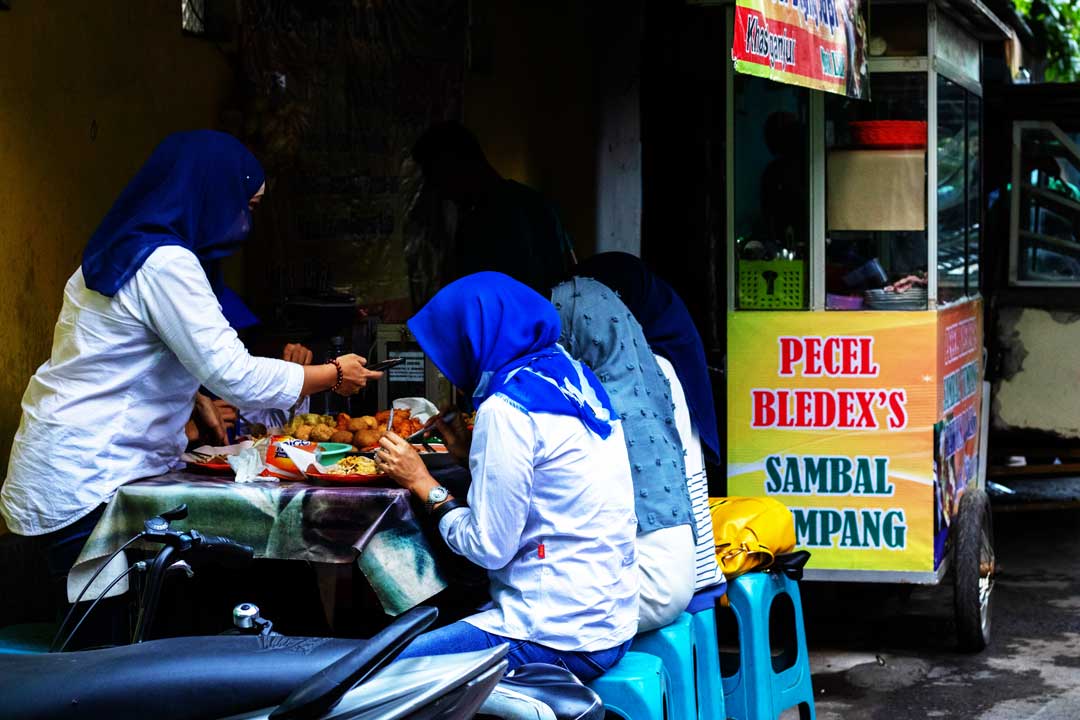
(668,328)
(490,334)
(192,192)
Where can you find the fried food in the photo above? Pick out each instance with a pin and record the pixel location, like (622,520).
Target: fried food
(367,437)
(322,433)
(383,416)
(356,465)
(362,423)
(342,436)
(303,432)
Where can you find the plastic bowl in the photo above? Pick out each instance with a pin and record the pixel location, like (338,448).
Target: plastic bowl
(331,453)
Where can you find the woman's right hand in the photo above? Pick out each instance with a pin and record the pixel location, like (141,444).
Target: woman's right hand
(209,422)
(354,374)
(456,436)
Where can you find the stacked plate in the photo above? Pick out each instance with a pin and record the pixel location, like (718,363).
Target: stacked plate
(910,299)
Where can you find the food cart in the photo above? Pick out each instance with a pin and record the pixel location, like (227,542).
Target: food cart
(855,333)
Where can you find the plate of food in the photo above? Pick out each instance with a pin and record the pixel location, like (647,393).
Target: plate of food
(213,460)
(217,465)
(362,432)
(352,470)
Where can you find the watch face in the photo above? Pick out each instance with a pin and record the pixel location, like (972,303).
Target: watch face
(437,495)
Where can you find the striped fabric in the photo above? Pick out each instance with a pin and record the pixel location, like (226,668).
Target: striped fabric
(707,570)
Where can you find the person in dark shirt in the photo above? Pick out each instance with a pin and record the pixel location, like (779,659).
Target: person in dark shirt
(502,225)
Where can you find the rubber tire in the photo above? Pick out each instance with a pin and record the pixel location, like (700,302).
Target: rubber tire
(973,515)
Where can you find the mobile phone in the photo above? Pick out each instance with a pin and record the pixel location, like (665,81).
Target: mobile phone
(385,364)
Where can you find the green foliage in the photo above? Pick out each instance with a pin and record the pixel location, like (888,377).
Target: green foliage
(1057,22)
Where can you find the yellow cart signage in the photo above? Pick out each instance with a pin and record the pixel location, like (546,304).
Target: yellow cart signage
(834,414)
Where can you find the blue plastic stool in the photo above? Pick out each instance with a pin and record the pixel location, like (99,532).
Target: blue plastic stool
(27,639)
(635,688)
(758,690)
(710,689)
(674,645)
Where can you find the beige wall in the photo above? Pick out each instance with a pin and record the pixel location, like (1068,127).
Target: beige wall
(86,91)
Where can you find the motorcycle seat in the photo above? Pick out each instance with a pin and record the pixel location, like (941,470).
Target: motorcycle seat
(540,690)
(183,678)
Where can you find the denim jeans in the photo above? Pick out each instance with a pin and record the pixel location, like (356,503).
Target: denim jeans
(462,637)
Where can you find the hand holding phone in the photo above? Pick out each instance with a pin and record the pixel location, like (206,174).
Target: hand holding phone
(385,364)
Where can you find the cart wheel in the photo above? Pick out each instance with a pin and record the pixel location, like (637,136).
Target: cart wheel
(973,579)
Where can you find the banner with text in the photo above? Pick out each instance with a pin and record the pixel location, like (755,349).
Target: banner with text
(956,436)
(818,44)
(833,414)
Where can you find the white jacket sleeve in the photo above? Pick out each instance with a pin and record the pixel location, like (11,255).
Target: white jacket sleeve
(176,302)
(489,531)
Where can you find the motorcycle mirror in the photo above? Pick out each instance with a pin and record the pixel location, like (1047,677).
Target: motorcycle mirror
(177,513)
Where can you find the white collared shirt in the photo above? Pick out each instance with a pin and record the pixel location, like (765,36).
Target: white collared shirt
(110,404)
(551,516)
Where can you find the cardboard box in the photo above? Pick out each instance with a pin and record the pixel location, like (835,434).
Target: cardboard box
(876,190)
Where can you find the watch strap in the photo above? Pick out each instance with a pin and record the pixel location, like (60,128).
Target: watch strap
(451,504)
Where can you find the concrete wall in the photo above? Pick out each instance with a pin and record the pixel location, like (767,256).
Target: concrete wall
(1039,388)
(86,91)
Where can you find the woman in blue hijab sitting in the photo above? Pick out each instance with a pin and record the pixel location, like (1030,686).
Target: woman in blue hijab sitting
(139,331)
(550,511)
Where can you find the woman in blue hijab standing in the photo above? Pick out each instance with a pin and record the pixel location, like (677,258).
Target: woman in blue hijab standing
(550,511)
(139,331)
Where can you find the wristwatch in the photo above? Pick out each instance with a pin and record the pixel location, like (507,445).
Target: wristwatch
(437,495)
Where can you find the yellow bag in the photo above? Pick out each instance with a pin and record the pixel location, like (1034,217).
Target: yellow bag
(750,532)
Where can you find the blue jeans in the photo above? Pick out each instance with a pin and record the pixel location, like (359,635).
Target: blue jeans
(462,637)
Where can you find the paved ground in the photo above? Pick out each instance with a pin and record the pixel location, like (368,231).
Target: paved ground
(879,655)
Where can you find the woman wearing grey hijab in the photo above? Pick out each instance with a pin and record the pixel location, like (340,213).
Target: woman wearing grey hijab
(600,331)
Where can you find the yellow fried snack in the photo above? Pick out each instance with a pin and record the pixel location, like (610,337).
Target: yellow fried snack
(362,423)
(342,436)
(367,437)
(322,433)
(356,465)
(303,432)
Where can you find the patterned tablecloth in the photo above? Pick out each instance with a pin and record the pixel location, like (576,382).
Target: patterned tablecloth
(373,526)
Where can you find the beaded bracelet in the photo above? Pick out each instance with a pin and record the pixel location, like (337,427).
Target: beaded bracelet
(340,375)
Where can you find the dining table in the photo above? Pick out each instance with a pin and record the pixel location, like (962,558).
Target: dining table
(374,526)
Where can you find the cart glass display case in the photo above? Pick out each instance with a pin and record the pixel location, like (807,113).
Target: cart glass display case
(1045,242)
(861,406)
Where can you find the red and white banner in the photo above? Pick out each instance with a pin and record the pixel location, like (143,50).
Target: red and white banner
(818,44)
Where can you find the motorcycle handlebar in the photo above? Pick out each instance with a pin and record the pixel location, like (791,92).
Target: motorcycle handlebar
(225,550)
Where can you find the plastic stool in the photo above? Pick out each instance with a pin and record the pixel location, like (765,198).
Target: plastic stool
(674,645)
(764,685)
(710,689)
(635,688)
(27,639)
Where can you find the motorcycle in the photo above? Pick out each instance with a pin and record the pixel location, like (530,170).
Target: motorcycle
(257,674)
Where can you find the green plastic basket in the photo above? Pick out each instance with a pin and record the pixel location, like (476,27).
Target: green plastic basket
(771,285)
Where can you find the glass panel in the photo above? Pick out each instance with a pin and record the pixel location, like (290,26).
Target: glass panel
(876,251)
(1048,245)
(192,16)
(952,192)
(772,194)
(974,192)
(897,31)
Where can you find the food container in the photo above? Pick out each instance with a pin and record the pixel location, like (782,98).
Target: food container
(889,133)
(843,302)
(330,453)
